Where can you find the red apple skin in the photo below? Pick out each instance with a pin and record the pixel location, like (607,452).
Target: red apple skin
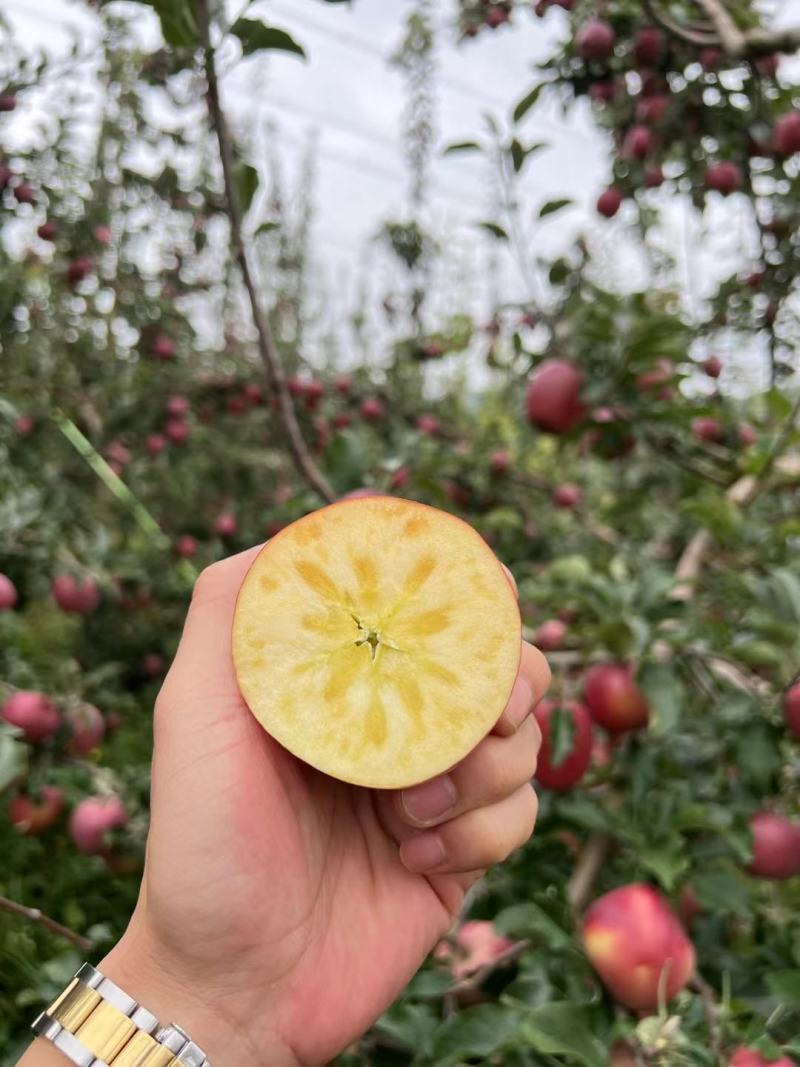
(725,177)
(648,46)
(638,143)
(689,907)
(776,846)
(786,136)
(34,714)
(8,593)
(429,425)
(177,405)
(400,478)
(500,461)
(569,772)
(186,546)
(662,371)
(225,524)
(79,269)
(153,665)
(372,409)
(637,946)
(708,429)
(603,92)
(609,202)
(553,396)
(495,17)
(8,102)
(595,40)
(653,176)
(24,425)
(550,636)
(92,819)
(25,194)
(155,443)
(748,1057)
(31,817)
(343,383)
(477,944)
(87,729)
(713,366)
(710,58)
(358,494)
(176,431)
(77,598)
(567,495)
(47,231)
(163,347)
(746,434)
(614,699)
(791,709)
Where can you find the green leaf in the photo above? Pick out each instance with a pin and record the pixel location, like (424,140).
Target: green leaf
(527,102)
(665,693)
(668,862)
(267,227)
(258,37)
(478,1031)
(562,736)
(494,230)
(564,1029)
(411,1025)
(529,920)
(722,890)
(785,985)
(13,756)
(552,206)
(520,154)
(462,146)
(758,756)
(178,25)
(246,178)
(346,461)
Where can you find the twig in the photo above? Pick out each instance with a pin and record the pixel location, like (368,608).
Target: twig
(36,916)
(700,38)
(731,38)
(739,44)
(588,866)
(475,980)
(709,998)
(270,356)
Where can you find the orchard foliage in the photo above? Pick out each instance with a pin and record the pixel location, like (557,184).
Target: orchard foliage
(644,492)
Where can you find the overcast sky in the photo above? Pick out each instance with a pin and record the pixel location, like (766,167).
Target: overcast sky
(352,99)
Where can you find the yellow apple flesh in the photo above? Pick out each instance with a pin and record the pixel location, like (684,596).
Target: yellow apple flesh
(378,640)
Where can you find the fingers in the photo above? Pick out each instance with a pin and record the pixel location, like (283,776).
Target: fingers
(492,771)
(531,685)
(475,840)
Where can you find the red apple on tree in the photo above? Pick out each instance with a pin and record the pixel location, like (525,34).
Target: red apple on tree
(776,846)
(8,102)
(79,269)
(92,820)
(748,1057)
(33,712)
(153,665)
(724,177)
(163,347)
(225,524)
(372,409)
(477,944)
(563,761)
(791,709)
(87,728)
(177,431)
(31,816)
(550,636)
(614,699)
(47,231)
(567,495)
(186,546)
(603,92)
(638,946)
(8,593)
(708,429)
(77,597)
(786,136)
(649,46)
(653,176)
(610,201)
(713,366)
(499,461)
(595,40)
(553,396)
(155,443)
(638,143)
(178,405)
(429,425)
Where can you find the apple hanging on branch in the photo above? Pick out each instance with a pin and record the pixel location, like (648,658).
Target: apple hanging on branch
(378,640)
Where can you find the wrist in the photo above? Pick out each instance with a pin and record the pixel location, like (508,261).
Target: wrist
(215,1015)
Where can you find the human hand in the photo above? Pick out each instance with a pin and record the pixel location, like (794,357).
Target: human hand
(282,911)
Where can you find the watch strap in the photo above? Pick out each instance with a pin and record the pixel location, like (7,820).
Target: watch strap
(97,1024)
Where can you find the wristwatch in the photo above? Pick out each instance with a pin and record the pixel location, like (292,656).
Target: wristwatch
(96,1024)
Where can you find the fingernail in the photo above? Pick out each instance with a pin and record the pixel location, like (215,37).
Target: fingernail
(520,701)
(426,803)
(422,853)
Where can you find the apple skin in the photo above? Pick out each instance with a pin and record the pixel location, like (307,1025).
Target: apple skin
(786,136)
(748,1057)
(32,817)
(500,461)
(653,176)
(638,143)
(372,409)
(87,728)
(550,636)
(34,713)
(649,46)
(776,846)
(572,768)
(595,40)
(186,546)
(710,58)
(359,494)
(609,202)
(614,699)
(637,946)
(724,177)
(163,347)
(553,396)
(746,435)
(74,597)
(567,495)
(8,593)
(92,819)
(713,366)
(47,231)
(791,709)
(177,405)
(477,944)
(79,269)
(153,665)
(429,425)
(400,478)
(603,92)
(225,524)
(662,371)
(176,431)
(155,443)
(708,429)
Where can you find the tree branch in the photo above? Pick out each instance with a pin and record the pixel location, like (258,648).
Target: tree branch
(700,38)
(725,34)
(475,981)
(589,864)
(270,357)
(36,916)
(732,40)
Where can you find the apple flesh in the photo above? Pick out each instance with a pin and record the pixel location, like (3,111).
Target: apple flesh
(573,765)
(637,946)
(378,640)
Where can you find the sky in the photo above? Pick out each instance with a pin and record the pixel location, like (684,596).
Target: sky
(350,99)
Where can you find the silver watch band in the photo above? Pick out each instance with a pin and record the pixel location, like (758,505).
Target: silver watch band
(67,1024)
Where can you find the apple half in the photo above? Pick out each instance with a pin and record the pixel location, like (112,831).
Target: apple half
(378,640)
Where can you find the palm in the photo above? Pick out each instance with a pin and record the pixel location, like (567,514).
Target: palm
(304,886)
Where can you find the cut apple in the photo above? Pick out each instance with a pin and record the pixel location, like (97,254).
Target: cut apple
(378,640)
